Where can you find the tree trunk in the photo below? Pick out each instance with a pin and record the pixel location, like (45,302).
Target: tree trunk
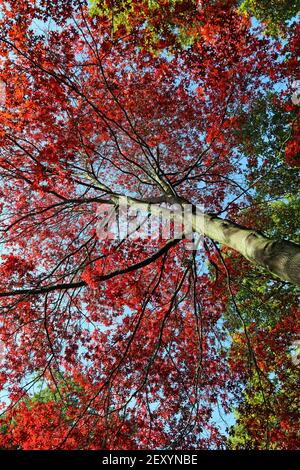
(280,257)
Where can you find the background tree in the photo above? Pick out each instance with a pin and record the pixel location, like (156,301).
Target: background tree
(168,22)
(262,315)
(274,14)
(41,419)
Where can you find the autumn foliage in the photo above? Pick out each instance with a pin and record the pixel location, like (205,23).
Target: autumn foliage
(110,344)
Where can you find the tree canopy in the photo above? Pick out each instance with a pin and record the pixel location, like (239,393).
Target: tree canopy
(120,115)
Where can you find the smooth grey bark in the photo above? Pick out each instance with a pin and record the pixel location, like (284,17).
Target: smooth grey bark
(280,257)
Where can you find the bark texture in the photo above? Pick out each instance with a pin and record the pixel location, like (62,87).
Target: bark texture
(280,257)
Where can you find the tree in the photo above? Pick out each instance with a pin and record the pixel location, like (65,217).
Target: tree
(264,323)
(180,21)
(267,416)
(89,119)
(159,24)
(262,315)
(41,419)
(275,14)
